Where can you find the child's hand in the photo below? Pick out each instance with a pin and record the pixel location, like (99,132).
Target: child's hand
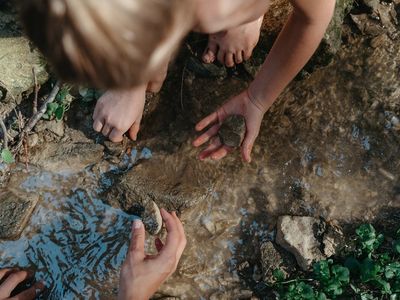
(11,278)
(238,105)
(141,274)
(117,112)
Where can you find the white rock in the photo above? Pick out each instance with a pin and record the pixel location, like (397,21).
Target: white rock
(296,235)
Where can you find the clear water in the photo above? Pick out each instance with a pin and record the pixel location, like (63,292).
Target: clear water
(76,243)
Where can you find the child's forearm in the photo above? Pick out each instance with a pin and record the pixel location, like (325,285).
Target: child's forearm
(295,45)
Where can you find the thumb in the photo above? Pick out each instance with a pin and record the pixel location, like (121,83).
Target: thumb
(136,248)
(252,131)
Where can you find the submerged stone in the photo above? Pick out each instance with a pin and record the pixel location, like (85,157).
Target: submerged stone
(166,182)
(232,131)
(15,211)
(72,158)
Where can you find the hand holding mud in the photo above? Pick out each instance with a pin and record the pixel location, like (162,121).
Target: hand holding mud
(11,278)
(238,105)
(141,274)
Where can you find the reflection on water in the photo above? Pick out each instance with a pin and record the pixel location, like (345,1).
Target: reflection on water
(75,243)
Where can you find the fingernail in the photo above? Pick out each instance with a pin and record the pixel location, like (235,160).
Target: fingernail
(39,287)
(137,224)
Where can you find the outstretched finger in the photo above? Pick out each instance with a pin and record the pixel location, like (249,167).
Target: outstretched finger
(210,119)
(11,283)
(136,248)
(5,272)
(214,146)
(182,243)
(221,152)
(173,238)
(205,137)
(31,293)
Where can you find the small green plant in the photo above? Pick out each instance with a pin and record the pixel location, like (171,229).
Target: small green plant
(372,271)
(89,94)
(61,104)
(6,156)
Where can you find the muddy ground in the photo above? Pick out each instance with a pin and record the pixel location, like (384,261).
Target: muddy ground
(329,148)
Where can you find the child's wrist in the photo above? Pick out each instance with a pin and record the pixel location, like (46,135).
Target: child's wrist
(259,101)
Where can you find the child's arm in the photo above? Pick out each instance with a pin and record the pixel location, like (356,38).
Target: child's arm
(295,45)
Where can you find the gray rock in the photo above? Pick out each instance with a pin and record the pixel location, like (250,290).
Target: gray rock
(296,235)
(15,210)
(333,35)
(333,241)
(270,260)
(72,158)
(232,131)
(54,126)
(17,59)
(151,218)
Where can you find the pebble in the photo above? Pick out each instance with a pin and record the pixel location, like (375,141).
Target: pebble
(232,131)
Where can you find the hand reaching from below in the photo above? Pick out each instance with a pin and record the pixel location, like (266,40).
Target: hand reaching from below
(238,105)
(11,278)
(141,274)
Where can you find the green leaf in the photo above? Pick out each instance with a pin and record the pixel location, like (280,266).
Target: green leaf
(369,270)
(392,270)
(321,270)
(368,239)
(367,297)
(396,286)
(46,116)
(384,285)
(278,275)
(62,94)
(51,108)
(7,156)
(341,273)
(321,296)
(353,265)
(334,288)
(396,246)
(59,113)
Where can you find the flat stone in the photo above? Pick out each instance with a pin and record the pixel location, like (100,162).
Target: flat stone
(71,158)
(168,181)
(151,218)
(54,126)
(15,210)
(232,131)
(296,235)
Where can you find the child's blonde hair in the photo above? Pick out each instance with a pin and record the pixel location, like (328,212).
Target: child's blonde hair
(107,43)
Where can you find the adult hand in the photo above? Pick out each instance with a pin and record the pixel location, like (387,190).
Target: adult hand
(141,274)
(238,105)
(11,278)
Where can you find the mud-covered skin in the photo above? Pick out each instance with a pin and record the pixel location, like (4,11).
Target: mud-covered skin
(232,131)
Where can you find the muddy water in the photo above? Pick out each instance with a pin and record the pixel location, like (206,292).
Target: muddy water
(74,241)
